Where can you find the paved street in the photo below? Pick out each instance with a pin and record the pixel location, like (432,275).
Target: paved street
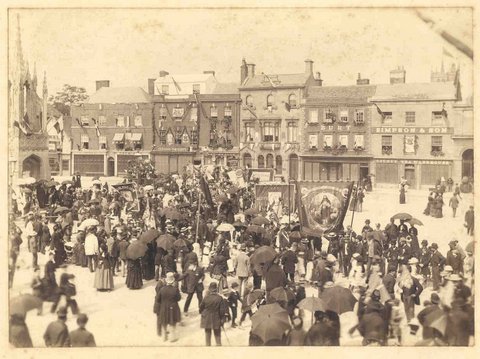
(118,317)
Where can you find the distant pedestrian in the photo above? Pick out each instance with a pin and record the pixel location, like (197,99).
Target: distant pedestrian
(167,300)
(81,337)
(470,220)
(402,193)
(91,249)
(33,246)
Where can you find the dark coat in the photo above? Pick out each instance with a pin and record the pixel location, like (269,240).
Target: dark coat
(82,338)
(437,259)
(57,335)
(122,249)
(213,309)
(167,299)
(422,315)
(459,327)
(320,334)
(193,280)
(288,261)
(455,261)
(19,334)
(389,283)
(274,277)
(416,289)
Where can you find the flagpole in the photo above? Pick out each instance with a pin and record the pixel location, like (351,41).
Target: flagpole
(198,216)
(353,212)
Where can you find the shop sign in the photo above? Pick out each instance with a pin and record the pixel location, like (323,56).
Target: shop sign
(413,130)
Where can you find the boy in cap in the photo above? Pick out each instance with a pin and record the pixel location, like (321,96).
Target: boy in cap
(232,299)
(56,334)
(81,337)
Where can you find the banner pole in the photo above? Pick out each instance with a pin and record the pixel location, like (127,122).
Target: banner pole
(353,211)
(198,216)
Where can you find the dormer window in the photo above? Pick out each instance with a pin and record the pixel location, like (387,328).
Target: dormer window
(249,101)
(270,101)
(165,89)
(292,100)
(85,121)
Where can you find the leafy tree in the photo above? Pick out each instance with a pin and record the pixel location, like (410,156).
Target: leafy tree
(67,97)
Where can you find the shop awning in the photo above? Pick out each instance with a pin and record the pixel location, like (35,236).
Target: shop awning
(118,137)
(136,137)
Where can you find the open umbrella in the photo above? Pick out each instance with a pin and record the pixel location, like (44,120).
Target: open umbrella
(272,327)
(165,241)
(25,190)
(312,304)
(180,243)
(278,295)
(263,254)
(150,235)
(89,222)
(259,220)
(26,181)
(67,182)
(255,229)
(251,212)
(437,319)
(60,210)
(52,184)
(136,250)
(338,299)
(255,295)
(225,227)
(311,232)
(404,216)
(24,303)
(470,247)
(295,235)
(95,178)
(415,221)
(94,201)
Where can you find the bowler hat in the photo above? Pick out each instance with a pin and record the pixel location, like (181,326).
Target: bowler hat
(82,318)
(434,246)
(434,298)
(62,312)
(213,287)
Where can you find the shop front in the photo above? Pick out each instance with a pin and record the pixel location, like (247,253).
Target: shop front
(172,161)
(335,169)
(89,164)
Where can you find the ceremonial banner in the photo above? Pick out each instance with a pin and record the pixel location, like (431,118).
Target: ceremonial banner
(274,196)
(324,204)
(262,174)
(129,192)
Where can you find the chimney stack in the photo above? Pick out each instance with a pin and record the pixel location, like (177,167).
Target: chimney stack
(163,73)
(398,75)
(361,81)
(251,70)
(243,71)
(103,83)
(151,86)
(318,78)
(209,72)
(308,67)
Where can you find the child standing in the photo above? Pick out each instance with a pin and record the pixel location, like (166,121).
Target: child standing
(233,298)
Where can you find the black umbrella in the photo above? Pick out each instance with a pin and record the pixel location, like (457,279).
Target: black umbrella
(263,254)
(60,210)
(149,235)
(404,216)
(136,250)
(165,241)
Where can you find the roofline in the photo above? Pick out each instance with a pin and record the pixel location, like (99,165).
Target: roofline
(373,100)
(241,88)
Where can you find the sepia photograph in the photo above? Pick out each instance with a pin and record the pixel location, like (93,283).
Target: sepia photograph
(240,176)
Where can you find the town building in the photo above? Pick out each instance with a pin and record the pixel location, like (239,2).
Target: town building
(113,127)
(59,142)
(336,136)
(413,131)
(27,111)
(272,118)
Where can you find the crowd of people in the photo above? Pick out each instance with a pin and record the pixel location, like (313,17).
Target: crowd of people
(239,262)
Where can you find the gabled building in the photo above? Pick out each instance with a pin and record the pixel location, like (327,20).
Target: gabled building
(271,118)
(336,138)
(112,128)
(59,142)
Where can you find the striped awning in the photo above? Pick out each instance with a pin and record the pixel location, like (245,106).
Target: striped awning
(118,137)
(136,137)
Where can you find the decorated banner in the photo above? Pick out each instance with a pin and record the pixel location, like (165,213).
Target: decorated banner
(409,143)
(323,204)
(274,196)
(262,174)
(129,192)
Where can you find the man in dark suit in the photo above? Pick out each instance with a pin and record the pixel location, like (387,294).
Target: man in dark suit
(289,259)
(437,260)
(81,337)
(193,284)
(56,334)
(470,220)
(212,309)
(428,332)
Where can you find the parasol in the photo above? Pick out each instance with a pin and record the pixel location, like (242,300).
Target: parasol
(180,243)
(295,235)
(221,198)
(173,214)
(96,182)
(255,229)
(278,294)
(149,236)
(26,181)
(165,241)
(470,247)
(89,222)
(239,224)
(338,299)
(259,220)
(25,190)
(269,311)
(52,184)
(67,182)
(24,303)
(272,327)
(263,254)
(136,250)
(225,227)
(415,221)
(312,304)
(404,216)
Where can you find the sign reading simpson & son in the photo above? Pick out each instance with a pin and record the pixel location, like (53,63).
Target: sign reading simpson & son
(415,130)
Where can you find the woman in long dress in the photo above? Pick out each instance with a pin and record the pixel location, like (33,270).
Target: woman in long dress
(103,273)
(134,274)
(402,193)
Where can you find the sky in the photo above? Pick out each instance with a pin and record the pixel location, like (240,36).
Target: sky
(128,46)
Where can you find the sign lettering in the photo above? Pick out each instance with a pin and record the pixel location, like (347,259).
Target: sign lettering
(413,130)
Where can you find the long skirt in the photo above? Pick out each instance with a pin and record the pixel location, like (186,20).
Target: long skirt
(82,258)
(103,279)
(402,197)
(134,274)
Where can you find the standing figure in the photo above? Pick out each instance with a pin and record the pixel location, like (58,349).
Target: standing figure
(402,193)
(134,274)
(213,311)
(168,312)
(470,220)
(81,337)
(411,290)
(103,272)
(454,204)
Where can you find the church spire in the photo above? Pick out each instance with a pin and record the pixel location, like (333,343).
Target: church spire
(45,89)
(34,78)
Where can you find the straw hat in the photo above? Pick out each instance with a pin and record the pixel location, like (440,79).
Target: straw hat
(170,278)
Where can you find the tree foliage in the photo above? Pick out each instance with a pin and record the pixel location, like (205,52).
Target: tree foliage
(67,97)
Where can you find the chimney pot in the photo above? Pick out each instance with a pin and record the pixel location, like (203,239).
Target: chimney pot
(151,86)
(102,83)
(308,67)
(398,75)
(251,70)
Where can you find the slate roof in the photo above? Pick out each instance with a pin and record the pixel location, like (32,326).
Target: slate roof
(340,94)
(225,88)
(120,95)
(284,80)
(416,92)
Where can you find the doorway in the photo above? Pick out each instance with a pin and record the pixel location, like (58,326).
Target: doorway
(467,164)
(32,164)
(363,171)
(110,167)
(410,174)
(293,167)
